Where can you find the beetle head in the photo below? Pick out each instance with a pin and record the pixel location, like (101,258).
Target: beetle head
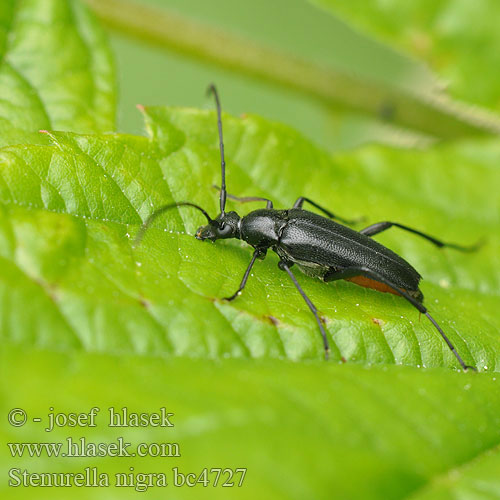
(222,227)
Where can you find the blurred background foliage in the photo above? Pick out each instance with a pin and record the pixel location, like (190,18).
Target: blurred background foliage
(378,90)
(457,38)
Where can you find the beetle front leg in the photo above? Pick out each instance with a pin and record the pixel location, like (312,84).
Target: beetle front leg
(247,199)
(283,265)
(258,253)
(383,226)
(300,201)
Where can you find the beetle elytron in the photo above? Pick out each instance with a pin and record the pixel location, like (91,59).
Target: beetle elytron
(317,245)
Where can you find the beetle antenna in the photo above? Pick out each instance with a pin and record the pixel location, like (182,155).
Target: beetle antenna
(156,213)
(223,193)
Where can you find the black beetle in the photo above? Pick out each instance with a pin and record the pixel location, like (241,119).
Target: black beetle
(319,246)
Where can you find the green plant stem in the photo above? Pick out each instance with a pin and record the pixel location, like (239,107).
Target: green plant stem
(435,114)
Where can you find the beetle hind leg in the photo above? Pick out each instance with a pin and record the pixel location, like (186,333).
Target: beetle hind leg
(351,272)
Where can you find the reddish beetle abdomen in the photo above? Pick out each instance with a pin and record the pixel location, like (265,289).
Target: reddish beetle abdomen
(382,287)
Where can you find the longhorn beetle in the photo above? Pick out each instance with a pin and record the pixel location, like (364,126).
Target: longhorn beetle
(319,246)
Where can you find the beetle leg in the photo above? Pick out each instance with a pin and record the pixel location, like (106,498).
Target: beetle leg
(257,253)
(351,272)
(283,265)
(382,226)
(300,201)
(246,199)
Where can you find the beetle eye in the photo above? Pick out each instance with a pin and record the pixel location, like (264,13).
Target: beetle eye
(224,229)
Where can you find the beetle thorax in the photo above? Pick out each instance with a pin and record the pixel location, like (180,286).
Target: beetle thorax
(262,228)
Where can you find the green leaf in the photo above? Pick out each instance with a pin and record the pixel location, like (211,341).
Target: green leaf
(87,319)
(475,479)
(302,430)
(70,212)
(55,70)
(459,39)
